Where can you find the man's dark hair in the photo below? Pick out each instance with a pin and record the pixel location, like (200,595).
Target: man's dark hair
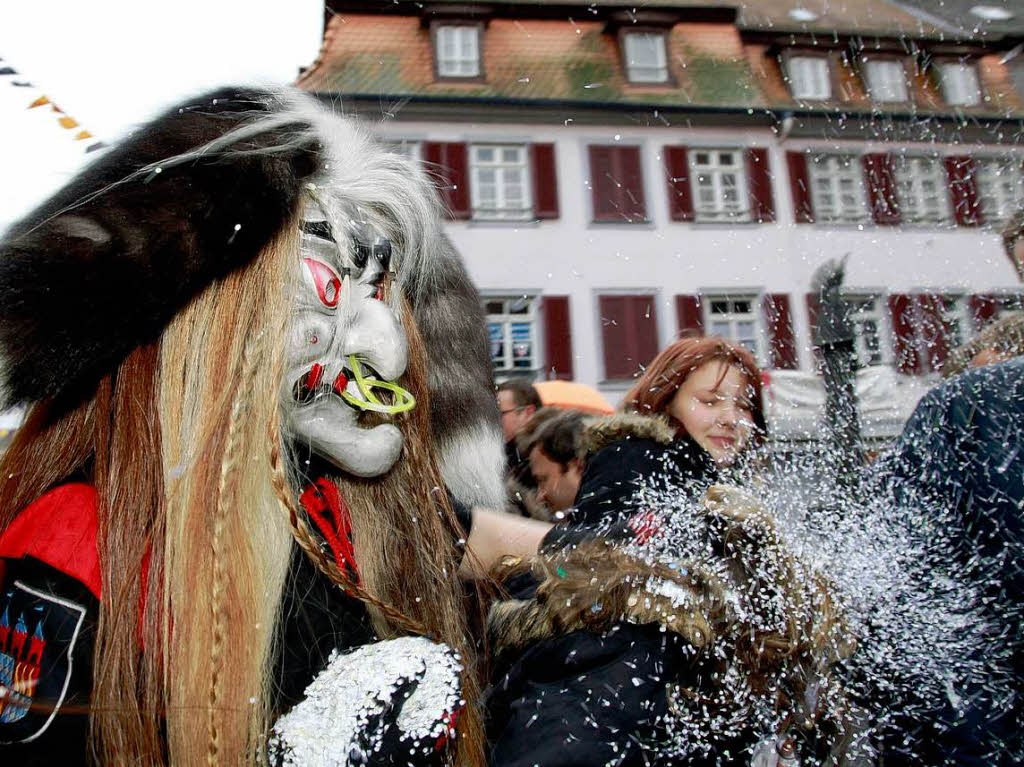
(523,393)
(558,435)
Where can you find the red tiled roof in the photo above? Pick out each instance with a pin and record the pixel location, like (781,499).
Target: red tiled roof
(530,59)
(711,63)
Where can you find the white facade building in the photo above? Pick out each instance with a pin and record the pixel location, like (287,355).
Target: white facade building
(623,179)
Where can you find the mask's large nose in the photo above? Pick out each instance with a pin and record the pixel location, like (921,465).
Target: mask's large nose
(369,329)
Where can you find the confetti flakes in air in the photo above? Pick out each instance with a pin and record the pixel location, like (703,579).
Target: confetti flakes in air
(843,622)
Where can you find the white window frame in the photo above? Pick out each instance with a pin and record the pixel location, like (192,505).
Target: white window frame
(913,173)
(827,173)
(956,308)
(716,173)
(886,81)
(960,84)
(879,315)
(457,49)
(999,197)
(506,319)
(810,77)
(503,207)
(713,321)
(654,71)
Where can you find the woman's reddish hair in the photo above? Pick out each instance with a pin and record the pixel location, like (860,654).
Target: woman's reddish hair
(654,390)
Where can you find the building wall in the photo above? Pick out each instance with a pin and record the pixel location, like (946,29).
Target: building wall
(574,256)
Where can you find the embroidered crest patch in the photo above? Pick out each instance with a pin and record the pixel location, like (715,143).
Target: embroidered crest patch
(38,634)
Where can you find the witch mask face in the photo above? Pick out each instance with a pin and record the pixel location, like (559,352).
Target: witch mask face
(346,349)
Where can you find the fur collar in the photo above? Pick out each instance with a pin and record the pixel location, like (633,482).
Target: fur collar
(601,432)
(593,586)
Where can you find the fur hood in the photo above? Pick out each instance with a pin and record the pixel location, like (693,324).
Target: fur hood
(601,432)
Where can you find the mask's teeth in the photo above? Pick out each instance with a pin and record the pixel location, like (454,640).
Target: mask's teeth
(340,383)
(305,389)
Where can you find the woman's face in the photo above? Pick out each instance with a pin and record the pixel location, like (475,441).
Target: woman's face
(714,406)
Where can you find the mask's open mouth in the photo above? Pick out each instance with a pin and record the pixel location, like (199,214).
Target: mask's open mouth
(359,385)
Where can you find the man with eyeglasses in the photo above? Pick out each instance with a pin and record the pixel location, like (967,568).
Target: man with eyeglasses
(517,401)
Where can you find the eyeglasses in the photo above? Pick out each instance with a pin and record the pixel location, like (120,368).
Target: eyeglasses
(512,410)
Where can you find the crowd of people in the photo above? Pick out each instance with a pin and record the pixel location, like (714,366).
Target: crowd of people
(262,443)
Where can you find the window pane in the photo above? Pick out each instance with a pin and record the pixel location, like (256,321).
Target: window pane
(809,77)
(458,51)
(499,189)
(960,84)
(886,80)
(645,57)
(496,339)
(511,332)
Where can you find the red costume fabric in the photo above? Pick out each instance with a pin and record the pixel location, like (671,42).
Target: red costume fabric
(59,528)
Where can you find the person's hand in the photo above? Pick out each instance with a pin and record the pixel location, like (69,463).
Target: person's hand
(387,703)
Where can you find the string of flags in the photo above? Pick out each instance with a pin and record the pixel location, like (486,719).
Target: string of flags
(36,100)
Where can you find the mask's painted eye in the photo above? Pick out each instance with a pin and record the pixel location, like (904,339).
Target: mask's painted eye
(328,284)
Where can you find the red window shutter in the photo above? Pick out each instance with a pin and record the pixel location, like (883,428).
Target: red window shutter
(689,316)
(645,330)
(604,190)
(629,331)
(614,337)
(931,331)
(447,163)
(800,186)
(983,309)
(634,204)
(901,308)
(963,190)
(557,337)
(779,321)
(545,180)
(762,205)
(616,181)
(677,174)
(880,177)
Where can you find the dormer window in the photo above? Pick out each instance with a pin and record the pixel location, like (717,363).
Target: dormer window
(886,80)
(457,50)
(809,78)
(646,60)
(959,83)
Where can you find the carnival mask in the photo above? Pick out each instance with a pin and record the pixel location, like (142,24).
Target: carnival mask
(346,349)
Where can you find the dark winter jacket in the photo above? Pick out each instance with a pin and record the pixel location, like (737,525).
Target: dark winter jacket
(623,453)
(963,449)
(564,696)
(583,697)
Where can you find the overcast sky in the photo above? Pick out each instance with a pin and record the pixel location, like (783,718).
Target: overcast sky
(112,63)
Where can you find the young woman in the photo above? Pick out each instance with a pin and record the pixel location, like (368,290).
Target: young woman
(696,410)
(693,682)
